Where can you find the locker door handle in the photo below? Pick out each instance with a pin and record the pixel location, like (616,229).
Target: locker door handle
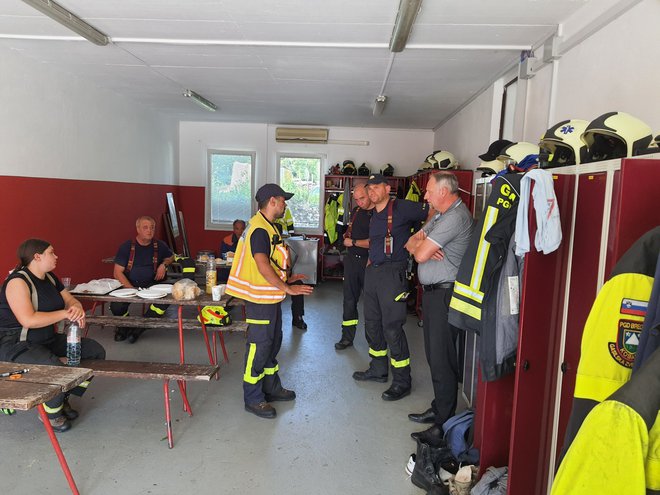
(525,365)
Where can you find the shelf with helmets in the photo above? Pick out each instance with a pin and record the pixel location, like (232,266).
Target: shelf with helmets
(338,203)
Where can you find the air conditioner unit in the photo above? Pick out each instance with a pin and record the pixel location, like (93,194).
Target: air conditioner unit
(301,135)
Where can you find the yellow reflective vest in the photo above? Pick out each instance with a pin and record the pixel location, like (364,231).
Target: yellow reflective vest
(245,281)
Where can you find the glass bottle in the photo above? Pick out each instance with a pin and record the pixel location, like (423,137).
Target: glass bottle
(211,274)
(73,337)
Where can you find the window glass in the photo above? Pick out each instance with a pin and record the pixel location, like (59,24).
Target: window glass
(229,188)
(301,175)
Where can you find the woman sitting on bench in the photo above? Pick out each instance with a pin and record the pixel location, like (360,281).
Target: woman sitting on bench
(32,302)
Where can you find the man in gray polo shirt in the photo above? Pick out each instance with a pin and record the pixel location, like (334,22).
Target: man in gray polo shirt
(438,248)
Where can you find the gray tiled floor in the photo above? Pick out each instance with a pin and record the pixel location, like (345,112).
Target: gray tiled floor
(338,437)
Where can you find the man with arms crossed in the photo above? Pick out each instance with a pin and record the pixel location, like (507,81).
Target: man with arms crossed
(438,248)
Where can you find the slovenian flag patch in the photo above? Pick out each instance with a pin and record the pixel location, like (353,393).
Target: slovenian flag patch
(633,307)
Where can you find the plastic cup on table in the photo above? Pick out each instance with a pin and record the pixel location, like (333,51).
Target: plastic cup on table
(217,291)
(66,282)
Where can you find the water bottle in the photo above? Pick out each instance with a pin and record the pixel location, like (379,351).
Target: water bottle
(73,344)
(211,274)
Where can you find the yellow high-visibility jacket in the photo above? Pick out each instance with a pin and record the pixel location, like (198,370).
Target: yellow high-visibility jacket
(245,281)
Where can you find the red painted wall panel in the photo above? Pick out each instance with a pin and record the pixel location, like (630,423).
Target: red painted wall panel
(87,220)
(191,203)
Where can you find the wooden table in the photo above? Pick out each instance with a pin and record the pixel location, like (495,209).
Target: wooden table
(39,385)
(201,301)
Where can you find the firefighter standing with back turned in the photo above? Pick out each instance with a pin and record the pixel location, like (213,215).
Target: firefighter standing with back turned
(386,286)
(356,241)
(259,276)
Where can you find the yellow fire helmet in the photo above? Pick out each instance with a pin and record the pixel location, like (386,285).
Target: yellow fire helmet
(445,160)
(214,316)
(563,142)
(616,135)
(518,152)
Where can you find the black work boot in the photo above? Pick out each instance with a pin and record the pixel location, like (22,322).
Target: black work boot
(427,464)
(369,375)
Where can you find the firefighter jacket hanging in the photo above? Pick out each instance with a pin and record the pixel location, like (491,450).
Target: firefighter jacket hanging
(616,449)
(610,340)
(245,281)
(482,260)
(330,219)
(413,193)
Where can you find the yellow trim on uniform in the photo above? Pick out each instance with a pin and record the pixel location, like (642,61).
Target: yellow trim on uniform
(53,410)
(484,248)
(245,280)
(400,364)
(247,375)
(84,384)
(257,322)
(465,308)
(272,371)
(156,310)
(189,269)
(349,323)
(376,353)
(401,296)
(469,292)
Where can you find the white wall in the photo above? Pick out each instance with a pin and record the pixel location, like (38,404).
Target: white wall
(55,124)
(465,134)
(404,149)
(614,69)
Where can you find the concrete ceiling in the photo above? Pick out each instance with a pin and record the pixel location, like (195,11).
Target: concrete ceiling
(301,62)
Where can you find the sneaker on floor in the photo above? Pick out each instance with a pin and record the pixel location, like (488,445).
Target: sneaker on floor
(410,466)
(59,424)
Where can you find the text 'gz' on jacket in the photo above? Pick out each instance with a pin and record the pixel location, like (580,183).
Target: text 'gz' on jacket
(482,258)
(245,281)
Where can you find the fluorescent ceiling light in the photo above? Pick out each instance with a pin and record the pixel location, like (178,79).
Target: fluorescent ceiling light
(58,13)
(379,104)
(200,100)
(405,19)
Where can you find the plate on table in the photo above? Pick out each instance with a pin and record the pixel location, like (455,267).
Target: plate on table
(166,288)
(151,294)
(124,292)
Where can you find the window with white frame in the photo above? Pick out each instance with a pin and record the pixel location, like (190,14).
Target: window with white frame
(229,187)
(301,175)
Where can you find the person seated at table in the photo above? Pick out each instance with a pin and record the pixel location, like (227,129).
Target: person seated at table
(228,245)
(32,302)
(140,263)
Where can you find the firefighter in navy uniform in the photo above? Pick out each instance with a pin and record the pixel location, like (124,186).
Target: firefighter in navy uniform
(259,276)
(356,241)
(140,262)
(386,286)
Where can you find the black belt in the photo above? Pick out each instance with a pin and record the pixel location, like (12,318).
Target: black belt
(439,285)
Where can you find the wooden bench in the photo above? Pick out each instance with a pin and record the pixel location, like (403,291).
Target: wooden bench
(187,323)
(155,371)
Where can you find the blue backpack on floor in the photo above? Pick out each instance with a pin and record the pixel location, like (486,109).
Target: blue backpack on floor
(457,431)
